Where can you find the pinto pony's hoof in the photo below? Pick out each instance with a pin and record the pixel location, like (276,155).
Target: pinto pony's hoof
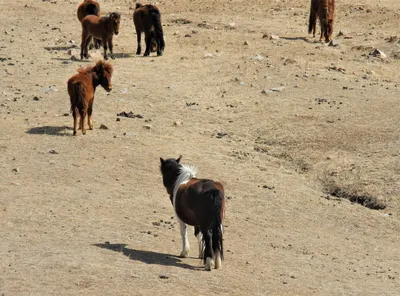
(209,264)
(113,57)
(184,254)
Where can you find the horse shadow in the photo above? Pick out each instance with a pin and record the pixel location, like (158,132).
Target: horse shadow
(148,257)
(59,48)
(305,39)
(122,55)
(49,130)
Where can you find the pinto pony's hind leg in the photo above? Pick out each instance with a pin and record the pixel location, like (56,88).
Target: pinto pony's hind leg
(199,236)
(185,241)
(208,250)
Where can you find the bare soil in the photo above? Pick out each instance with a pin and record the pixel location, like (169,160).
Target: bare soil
(283,122)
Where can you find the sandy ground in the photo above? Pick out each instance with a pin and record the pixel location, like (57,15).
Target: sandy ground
(284,123)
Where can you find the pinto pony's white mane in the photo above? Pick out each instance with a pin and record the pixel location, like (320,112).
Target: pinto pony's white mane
(186,173)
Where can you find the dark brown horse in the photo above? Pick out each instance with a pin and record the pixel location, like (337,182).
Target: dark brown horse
(197,202)
(102,28)
(325,11)
(81,88)
(89,7)
(147,19)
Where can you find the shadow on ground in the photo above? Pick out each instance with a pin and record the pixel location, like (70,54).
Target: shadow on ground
(50,130)
(148,257)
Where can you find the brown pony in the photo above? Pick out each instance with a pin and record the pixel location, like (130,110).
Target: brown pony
(100,28)
(324,10)
(197,202)
(81,88)
(147,19)
(89,7)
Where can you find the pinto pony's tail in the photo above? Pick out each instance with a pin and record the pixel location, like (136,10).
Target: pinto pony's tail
(217,210)
(158,30)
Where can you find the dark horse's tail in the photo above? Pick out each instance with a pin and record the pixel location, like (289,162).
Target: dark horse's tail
(313,16)
(158,30)
(92,9)
(217,208)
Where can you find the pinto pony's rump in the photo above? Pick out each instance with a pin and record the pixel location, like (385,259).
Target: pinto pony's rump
(324,10)
(199,203)
(81,89)
(147,19)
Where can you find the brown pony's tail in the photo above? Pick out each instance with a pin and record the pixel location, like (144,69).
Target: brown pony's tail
(312,19)
(158,30)
(92,9)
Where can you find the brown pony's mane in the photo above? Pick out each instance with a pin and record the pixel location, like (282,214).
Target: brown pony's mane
(107,68)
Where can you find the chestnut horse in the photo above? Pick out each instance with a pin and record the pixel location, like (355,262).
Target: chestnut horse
(197,202)
(81,88)
(147,19)
(89,7)
(100,28)
(324,10)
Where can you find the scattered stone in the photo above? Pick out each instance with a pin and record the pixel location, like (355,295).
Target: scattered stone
(220,135)
(35,98)
(246,43)
(266,91)
(378,53)
(66,114)
(53,151)
(177,123)
(258,58)
(208,55)
(188,35)
(147,127)
(163,276)
(334,43)
(124,90)
(103,127)
(129,115)
(265,36)
(274,37)
(118,119)
(16,170)
(277,89)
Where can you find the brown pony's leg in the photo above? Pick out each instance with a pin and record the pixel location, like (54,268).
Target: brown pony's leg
(147,39)
(84,45)
(83,122)
(139,46)
(75,114)
(105,48)
(110,46)
(90,119)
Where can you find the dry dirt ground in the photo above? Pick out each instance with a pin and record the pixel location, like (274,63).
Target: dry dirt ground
(292,127)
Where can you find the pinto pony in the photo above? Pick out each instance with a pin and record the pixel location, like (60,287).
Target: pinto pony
(102,28)
(89,7)
(197,202)
(81,88)
(147,19)
(324,10)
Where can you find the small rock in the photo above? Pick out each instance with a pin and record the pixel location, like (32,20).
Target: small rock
(177,123)
(258,57)
(147,127)
(333,43)
(188,35)
(124,90)
(274,37)
(16,170)
(266,91)
(73,58)
(118,119)
(35,98)
(246,43)
(208,55)
(163,276)
(53,151)
(103,127)
(277,89)
(378,54)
